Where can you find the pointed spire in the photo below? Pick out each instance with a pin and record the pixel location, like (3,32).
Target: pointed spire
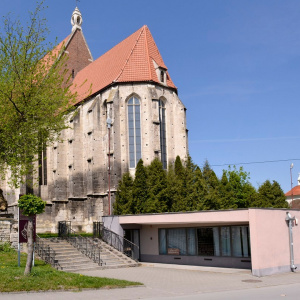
(76,19)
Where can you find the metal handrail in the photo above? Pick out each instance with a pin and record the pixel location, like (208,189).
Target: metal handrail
(83,244)
(119,243)
(46,253)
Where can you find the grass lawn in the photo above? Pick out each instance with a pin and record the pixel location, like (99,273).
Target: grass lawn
(43,277)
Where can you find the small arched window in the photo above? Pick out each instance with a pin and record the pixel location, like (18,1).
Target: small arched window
(163,139)
(134,131)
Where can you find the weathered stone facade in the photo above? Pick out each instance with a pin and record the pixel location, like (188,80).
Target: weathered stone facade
(9,231)
(75,171)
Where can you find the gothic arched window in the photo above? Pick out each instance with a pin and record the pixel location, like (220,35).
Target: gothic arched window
(134,131)
(162,129)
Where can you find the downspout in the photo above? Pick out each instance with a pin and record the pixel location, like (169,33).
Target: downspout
(290,221)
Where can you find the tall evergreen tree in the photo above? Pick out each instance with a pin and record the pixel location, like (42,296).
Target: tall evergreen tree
(180,199)
(124,203)
(140,188)
(211,198)
(191,191)
(171,187)
(270,195)
(199,190)
(157,188)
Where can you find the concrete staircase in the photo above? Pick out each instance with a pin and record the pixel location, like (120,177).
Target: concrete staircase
(70,259)
(112,258)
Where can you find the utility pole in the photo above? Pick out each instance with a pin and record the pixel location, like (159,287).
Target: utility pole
(291,167)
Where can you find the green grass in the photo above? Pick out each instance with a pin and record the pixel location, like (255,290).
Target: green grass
(43,277)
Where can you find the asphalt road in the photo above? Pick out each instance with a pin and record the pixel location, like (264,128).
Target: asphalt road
(175,282)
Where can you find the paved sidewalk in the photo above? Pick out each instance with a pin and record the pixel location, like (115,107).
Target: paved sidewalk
(171,281)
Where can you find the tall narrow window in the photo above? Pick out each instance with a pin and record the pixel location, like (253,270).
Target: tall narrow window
(163,140)
(134,128)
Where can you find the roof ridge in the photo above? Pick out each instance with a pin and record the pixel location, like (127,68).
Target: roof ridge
(148,57)
(131,52)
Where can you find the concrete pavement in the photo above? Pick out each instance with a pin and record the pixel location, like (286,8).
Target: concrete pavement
(180,282)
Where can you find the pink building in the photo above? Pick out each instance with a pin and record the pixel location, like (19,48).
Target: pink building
(267,241)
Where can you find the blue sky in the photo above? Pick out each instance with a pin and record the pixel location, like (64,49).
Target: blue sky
(236,64)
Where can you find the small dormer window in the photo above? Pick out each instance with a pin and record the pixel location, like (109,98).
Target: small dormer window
(73,74)
(162,76)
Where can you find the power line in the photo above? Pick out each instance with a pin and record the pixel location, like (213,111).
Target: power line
(256,162)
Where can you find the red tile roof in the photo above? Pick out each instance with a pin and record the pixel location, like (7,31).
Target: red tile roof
(295,189)
(56,51)
(129,61)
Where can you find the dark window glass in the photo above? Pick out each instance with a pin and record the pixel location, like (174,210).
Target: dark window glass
(134,126)
(205,241)
(163,144)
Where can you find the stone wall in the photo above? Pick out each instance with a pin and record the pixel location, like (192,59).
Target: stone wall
(9,231)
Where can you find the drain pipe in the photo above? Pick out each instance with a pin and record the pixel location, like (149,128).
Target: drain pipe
(290,221)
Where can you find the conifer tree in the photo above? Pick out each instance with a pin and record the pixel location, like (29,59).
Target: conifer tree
(124,200)
(180,199)
(191,191)
(140,188)
(157,188)
(199,190)
(270,195)
(172,188)
(211,198)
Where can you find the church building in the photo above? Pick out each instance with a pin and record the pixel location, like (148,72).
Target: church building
(127,109)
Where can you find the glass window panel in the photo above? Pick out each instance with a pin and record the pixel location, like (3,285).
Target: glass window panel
(138,156)
(240,241)
(216,241)
(177,241)
(131,140)
(131,131)
(225,241)
(191,241)
(138,140)
(134,131)
(162,241)
(131,148)
(131,124)
(205,241)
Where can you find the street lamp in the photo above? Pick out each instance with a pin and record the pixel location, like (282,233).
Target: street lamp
(109,123)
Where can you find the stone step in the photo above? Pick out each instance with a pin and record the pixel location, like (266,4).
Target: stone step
(72,260)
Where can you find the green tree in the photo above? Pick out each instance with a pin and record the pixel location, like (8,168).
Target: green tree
(270,195)
(140,188)
(34,94)
(179,202)
(157,188)
(171,187)
(211,188)
(30,205)
(199,190)
(235,189)
(124,200)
